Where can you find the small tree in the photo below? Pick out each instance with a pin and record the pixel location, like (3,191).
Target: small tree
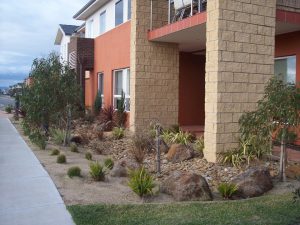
(53,92)
(98,103)
(278,110)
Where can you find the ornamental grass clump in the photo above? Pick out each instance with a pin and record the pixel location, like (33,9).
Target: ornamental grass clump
(227,190)
(61,159)
(109,163)
(74,171)
(58,136)
(141,182)
(89,156)
(74,148)
(55,152)
(199,145)
(118,133)
(8,109)
(97,171)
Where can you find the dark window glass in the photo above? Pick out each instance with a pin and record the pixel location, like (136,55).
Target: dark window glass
(129,10)
(119,13)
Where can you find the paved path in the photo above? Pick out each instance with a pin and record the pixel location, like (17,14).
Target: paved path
(27,194)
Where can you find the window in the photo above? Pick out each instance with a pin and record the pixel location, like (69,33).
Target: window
(102,22)
(285,69)
(122,84)
(101,86)
(119,13)
(90,32)
(129,10)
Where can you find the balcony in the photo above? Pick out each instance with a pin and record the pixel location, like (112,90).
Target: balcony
(293,5)
(186,25)
(81,53)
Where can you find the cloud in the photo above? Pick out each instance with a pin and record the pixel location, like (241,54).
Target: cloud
(28,30)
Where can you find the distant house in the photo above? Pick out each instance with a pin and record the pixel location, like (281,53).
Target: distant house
(62,39)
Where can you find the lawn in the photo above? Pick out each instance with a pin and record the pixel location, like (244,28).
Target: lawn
(264,210)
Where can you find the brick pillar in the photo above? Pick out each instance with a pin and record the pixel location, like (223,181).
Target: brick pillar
(154,69)
(239,62)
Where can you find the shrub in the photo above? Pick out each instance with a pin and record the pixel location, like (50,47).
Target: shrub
(8,109)
(141,182)
(97,171)
(89,116)
(176,138)
(199,145)
(139,154)
(296,195)
(61,159)
(58,136)
(227,190)
(109,163)
(38,139)
(26,128)
(55,152)
(232,157)
(118,133)
(143,141)
(88,156)
(74,171)
(98,103)
(107,117)
(73,148)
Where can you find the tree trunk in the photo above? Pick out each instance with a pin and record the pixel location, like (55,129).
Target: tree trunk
(283,156)
(67,135)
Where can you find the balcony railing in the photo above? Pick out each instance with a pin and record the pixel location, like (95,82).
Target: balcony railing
(289,3)
(181,9)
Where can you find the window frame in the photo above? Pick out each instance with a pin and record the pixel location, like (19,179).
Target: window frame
(287,57)
(125,86)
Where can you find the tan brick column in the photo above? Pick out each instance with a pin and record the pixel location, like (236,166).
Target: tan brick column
(239,62)
(154,69)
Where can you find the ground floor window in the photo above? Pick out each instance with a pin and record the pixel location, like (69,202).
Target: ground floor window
(285,69)
(122,84)
(101,86)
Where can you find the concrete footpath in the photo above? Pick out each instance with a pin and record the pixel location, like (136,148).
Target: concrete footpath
(28,196)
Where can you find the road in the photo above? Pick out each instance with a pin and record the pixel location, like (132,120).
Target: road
(6,100)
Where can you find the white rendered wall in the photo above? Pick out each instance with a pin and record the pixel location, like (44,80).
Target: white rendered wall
(110,18)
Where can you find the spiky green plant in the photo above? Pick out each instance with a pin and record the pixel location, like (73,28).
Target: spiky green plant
(74,171)
(199,145)
(55,152)
(109,163)
(88,156)
(141,182)
(58,136)
(118,133)
(227,190)
(97,171)
(61,159)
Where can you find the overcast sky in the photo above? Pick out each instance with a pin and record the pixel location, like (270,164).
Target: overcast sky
(27,31)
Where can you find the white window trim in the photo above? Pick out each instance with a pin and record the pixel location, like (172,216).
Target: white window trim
(124,85)
(98,89)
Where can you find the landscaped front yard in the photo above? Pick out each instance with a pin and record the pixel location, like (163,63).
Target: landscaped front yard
(263,210)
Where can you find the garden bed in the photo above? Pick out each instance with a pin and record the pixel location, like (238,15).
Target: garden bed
(114,190)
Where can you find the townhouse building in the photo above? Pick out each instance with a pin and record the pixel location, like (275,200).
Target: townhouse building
(196,63)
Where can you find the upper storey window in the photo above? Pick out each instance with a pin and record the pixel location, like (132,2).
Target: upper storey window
(102,22)
(119,13)
(285,69)
(129,10)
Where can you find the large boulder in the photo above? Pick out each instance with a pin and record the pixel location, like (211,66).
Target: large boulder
(253,182)
(293,172)
(178,153)
(185,186)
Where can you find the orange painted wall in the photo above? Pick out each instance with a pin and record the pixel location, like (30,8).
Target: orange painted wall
(191,89)
(287,45)
(112,51)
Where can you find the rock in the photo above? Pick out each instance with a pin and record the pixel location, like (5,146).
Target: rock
(179,153)
(76,139)
(119,170)
(185,186)
(293,172)
(253,182)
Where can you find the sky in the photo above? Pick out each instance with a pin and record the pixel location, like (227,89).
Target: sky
(27,31)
